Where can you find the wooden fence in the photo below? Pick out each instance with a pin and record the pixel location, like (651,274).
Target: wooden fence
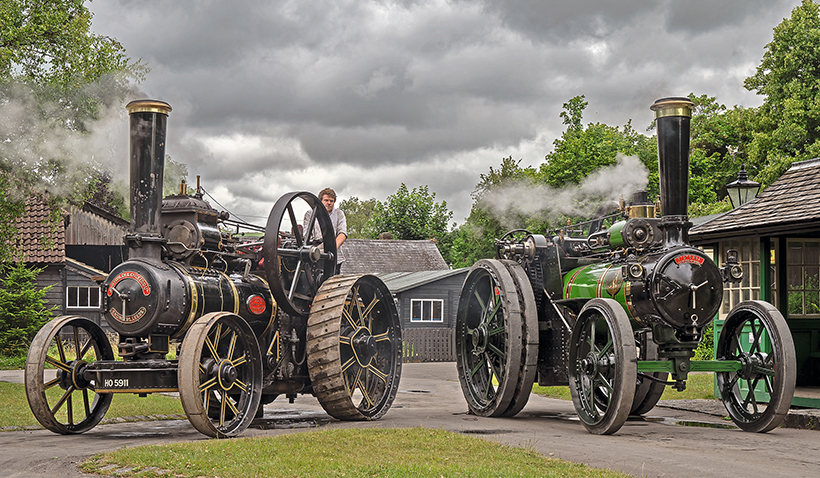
(428,344)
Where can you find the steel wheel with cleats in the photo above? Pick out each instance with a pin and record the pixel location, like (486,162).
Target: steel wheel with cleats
(296,263)
(602,366)
(59,390)
(354,347)
(758,396)
(220,375)
(489,338)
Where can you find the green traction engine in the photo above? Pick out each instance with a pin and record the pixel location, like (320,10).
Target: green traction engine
(614,308)
(251,315)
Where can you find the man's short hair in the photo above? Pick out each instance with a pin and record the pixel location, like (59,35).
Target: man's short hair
(327,192)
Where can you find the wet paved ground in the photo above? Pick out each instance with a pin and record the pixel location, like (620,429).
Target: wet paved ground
(430,396)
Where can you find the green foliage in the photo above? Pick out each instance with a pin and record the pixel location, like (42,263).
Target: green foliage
(719,139)
(175,173)
(789,77)
(475,239)
(412,215)
(56,76)
(706,348)
(580,151)
(357,213)
(22,308)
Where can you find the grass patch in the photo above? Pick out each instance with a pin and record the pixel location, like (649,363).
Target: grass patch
(14,409)
(409,452)
(14,362)
(698,386)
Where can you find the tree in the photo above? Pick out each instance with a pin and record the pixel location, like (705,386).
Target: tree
(22,308)
(580,151)
(412,215)
(789,78)
(475,239)
(719,139)
(55,77)
(357,213)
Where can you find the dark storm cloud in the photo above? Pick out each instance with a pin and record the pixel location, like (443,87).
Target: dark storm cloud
(363,95)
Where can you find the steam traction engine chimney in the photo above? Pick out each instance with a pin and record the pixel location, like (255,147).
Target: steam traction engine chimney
(148,123)
(673,116)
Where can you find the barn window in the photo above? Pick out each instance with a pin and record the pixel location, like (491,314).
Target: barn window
(427,310)
(80,297)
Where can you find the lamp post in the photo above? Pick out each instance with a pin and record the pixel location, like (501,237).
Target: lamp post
(742,191)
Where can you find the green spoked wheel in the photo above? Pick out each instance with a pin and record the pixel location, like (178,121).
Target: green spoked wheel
(220,375)
(602,366)
(489,338)
(354,347)
(758,396)
(60,393)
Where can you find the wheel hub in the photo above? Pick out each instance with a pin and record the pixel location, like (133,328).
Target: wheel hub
(364,346)
(226,375)
(750,365)
(480,337)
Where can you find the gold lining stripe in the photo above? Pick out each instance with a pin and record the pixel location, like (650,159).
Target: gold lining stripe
(273,305)
(599,288)
(194,301)
(233,289)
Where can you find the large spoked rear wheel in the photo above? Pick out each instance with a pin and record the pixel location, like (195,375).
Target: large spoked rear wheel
(298,257)
(220,375)
(602,366)
(354,347)
(529,338)
(489,338)
(61,395)
(758,396)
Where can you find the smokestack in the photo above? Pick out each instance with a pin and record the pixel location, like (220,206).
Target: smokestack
(148,122)
(673,116)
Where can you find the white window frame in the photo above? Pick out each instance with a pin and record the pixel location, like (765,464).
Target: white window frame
(88,291)
(430,303)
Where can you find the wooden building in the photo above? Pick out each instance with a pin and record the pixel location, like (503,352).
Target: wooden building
(425,289)
(74,284)
(777,236)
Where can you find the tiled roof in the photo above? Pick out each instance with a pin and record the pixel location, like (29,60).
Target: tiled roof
(401,281)
(380,256)
(790,204)
(40,241)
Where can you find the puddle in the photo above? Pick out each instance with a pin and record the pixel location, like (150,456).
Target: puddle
(689,423)
(291,419)
(484,432)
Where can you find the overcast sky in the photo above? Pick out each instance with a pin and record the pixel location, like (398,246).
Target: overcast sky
(361,96)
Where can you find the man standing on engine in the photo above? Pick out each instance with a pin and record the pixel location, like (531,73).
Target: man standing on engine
(337,217)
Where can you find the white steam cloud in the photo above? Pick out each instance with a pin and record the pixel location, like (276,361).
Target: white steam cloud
(525,198)
(29,143)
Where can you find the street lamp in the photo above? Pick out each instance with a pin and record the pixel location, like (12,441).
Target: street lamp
(742,190)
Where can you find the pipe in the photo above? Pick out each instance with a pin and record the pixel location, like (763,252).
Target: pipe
(673,116)
(148,120)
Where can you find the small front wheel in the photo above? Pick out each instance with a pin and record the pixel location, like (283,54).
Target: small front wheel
(61,394)
(757,396)
(602,366)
